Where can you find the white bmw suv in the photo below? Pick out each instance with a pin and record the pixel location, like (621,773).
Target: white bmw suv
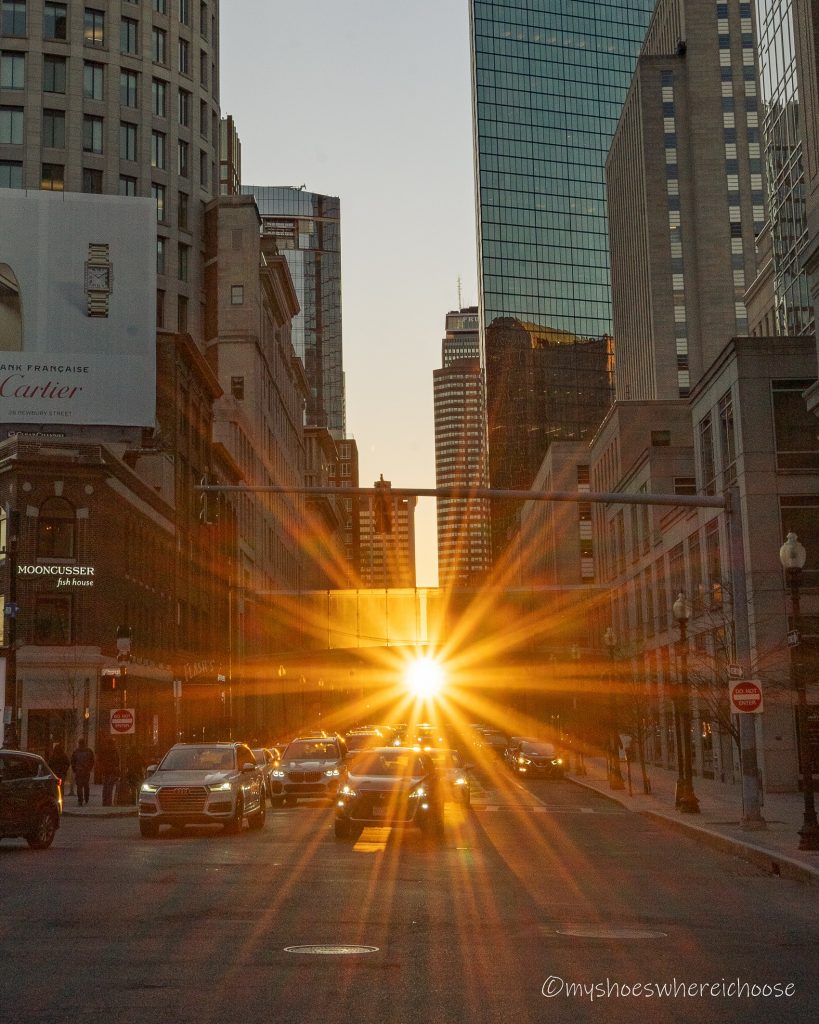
(203,784)
(311,766)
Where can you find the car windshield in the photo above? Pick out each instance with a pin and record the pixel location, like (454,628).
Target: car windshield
(543,749)
(311,750)
(198,759)
(386,763)
(358,741)
(445,758)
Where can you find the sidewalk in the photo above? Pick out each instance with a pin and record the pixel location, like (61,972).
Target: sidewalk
(94,808)
(775,849)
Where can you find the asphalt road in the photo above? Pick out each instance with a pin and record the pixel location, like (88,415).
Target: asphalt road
(538,889)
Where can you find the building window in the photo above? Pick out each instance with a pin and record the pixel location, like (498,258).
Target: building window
(796,430)
(52,619)
(129,89)
(94,27)
(182,160)
(204,118)
(11,174)
(203,169)
(707,466)
(182,314)
(160,254)
(158,150)
(237,294)
(158,195)
(56,526)
(203,20)
(159,97)
(93,81)
(13,18)
(182,211)
(127,141)
(11,126)
(127,185)
(713,565)
(92,181)
(184,57)
(129,36)
(92,129)
(52,178)
(159,46)
(727,439)
(660,438)
(13,70)
(184,111)
(161,6)
(203,69)
(185,12)
(55,21)
(237,387)
(184,260)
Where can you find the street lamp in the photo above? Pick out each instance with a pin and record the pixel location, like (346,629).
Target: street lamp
(686,799)
(615,775)
(792,555)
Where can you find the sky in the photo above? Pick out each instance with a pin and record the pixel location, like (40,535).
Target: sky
(369,100)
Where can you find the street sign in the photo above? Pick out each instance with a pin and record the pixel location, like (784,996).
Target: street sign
(793,638)
(735,672)
(746,697)
(123,721)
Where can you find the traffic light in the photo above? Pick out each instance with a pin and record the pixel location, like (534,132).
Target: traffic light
(382,510)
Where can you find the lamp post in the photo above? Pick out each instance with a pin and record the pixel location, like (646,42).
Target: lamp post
(792,555)
(615,775)
(686,798)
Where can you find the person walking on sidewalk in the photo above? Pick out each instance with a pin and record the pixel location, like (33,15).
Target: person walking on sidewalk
(59,763)
(82,762)
(107,769)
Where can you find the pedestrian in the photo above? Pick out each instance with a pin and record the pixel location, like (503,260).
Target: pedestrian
(107,764)
(134,773)
(59,763)
(82,763)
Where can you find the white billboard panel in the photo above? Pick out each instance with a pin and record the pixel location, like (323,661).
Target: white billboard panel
(77,309)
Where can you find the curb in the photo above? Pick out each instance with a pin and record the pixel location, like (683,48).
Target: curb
(775,863)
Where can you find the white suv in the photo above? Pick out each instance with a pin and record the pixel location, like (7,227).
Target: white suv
(310,766)
(203,784)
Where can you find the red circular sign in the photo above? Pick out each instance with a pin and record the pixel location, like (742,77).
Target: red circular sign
(746,696)
(122,720)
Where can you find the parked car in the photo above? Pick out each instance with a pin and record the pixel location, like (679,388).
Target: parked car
(390,786)
(454,774)
(267,759)
(203,784)
(310,766)
(30,799)
(537,758)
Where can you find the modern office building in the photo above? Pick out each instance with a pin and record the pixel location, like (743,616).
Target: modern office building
(685,198)
(388,559)
(120,99)
(548,85)
(307,230)
(464,554)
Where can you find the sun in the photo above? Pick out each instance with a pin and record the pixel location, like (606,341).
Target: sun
(424,678)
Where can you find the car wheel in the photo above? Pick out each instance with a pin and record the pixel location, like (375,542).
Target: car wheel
(148,829)
(291,801)
(277,801)
(42,835)
(256,821)
(234,826)
(342,828)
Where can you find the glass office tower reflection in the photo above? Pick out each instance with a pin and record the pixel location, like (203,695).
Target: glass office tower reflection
(307,229)
(549,79)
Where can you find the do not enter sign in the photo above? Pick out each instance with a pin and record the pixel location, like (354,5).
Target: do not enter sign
(746,697)
(123,721)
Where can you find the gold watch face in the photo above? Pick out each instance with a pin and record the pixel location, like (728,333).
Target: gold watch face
(98,278)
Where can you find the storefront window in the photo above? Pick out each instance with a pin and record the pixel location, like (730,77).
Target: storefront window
(56,529)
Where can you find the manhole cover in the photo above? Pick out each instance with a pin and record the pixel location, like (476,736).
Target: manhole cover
(606,931)
(328,950)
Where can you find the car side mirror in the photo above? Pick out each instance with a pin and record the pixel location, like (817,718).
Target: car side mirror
(248,767)
(151,769)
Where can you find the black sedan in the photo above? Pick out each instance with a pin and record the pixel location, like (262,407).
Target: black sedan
(30,799)
(536,759)
(390,786)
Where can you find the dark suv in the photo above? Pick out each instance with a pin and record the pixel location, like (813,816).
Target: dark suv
(30,799)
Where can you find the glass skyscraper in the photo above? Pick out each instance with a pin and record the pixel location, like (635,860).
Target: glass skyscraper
(549,79)
(307,230)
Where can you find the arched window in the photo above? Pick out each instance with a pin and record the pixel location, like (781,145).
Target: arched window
(11,311)
(56,529)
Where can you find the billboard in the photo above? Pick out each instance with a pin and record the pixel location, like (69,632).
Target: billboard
(77,309)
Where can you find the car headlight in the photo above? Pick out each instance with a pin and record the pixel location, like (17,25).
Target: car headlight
(148,787)
(277,773)
(347,791)
(220,787)
(557,761)
(460,781)
(418,793)
(523,760)
(332,772)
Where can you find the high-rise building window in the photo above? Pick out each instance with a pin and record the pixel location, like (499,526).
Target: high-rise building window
(93,80)
(11,126)
(13,70)
(159,97)
(92,133)
(707,465)
(11,174)
(203,69)
(94,27)
(184,108)
(161,6)
(158,158)
(727,439)
(182,314)
(204,118)
(184,57)
(184,261)
(185,12)
(182,158)
(159,45)
(92,180)
(52,178)
(129,36)
(55,21)
(12,18)
(161,247)
(127,185)
(129,88)
(182,211)
(158,195)
(203,169)
(237,294)
(127,141)
(203,20)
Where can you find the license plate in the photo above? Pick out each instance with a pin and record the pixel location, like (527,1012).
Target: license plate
(379,812)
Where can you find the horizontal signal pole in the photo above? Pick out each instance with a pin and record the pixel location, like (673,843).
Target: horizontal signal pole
(489,493)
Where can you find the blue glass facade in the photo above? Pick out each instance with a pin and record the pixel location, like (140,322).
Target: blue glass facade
(549,79)
(307,230)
